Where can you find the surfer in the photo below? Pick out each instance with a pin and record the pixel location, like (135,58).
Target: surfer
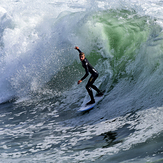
(94,74)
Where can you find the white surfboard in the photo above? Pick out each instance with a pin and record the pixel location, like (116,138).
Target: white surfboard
(85,107)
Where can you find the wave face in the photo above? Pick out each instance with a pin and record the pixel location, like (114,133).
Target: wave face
(39,68)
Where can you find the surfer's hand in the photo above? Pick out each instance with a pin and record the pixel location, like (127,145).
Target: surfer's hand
(76,47)
(79,81)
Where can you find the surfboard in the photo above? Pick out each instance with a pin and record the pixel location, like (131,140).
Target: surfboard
(85,107)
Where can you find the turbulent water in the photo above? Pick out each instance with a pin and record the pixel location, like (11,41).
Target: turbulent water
(39,69)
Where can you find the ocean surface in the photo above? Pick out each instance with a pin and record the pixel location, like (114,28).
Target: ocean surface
(39,70)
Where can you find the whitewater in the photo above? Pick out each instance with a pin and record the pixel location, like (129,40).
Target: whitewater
(39,70)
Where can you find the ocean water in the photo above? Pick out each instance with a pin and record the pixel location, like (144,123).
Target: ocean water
(39,69)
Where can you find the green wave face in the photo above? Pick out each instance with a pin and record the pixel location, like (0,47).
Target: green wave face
(123,33)
(122,36)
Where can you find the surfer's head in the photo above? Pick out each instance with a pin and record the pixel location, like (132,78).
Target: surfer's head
(81,56)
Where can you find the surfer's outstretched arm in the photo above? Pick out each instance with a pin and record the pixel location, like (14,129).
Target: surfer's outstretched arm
(77,48)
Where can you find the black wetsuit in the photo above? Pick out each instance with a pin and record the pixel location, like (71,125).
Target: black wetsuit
(94,74)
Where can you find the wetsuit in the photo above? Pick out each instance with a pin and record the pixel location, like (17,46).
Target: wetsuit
(94,74)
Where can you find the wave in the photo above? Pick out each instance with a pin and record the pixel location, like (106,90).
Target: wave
(116,42)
